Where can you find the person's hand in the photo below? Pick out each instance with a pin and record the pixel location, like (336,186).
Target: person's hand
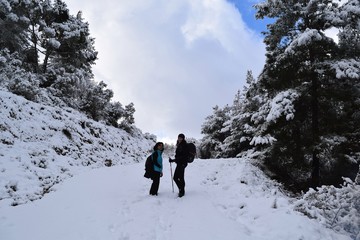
(171,160)
(161,174)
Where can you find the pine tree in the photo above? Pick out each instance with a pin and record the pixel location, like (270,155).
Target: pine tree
(69,55)
(237,126)
(344,89)
(213,132)
(127,119)
(96,101)
(231,144)
(13,28)
(299,84)
(46,54)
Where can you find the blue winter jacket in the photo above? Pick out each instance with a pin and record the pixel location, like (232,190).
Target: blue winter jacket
(157,160)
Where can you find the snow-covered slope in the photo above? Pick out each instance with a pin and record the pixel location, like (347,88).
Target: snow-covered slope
(41,146)
(227,199)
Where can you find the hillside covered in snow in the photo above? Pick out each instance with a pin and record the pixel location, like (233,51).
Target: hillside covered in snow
(41,146)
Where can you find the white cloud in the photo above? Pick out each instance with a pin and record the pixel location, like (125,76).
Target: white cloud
(174,60)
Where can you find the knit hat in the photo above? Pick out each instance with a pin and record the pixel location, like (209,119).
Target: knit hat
(181,135)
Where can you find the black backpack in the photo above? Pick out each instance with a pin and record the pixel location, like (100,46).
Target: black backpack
(149,167)
(191,149)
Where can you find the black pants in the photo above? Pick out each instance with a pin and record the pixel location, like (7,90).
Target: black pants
(179,177)
(155,184)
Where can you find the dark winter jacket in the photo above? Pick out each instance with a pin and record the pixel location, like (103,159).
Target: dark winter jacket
(181,153)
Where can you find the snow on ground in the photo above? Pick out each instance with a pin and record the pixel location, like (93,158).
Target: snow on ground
(225,199)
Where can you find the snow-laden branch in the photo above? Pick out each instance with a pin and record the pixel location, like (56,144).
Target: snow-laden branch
(347,68)
(303,39)
(258,140)
(282,105)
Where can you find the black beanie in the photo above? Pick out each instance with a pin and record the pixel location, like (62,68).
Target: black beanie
(181,136)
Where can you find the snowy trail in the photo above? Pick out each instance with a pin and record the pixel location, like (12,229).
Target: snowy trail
(225,199)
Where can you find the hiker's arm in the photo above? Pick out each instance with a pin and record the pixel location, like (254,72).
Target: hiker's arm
(175,160)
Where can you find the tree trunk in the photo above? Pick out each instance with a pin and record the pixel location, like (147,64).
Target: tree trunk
(315,174)
(36,57)
(46,59)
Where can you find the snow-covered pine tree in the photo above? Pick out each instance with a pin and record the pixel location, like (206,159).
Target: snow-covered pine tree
(231,144)
(238,139)
(14,50)
(36,31)
(345,69)
(127,119)
(213,134)
(298,113)
(13,28)
(46,55)
(70,53)
(96,101)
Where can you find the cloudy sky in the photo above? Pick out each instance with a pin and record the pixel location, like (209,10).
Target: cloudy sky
(174,59)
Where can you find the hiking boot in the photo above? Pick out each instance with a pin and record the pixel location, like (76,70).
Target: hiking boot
(181,193)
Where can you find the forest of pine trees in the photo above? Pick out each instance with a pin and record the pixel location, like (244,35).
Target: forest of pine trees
(300,117)
(46,55)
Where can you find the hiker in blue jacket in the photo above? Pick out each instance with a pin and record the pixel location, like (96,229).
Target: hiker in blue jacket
(181,163)
(157,162)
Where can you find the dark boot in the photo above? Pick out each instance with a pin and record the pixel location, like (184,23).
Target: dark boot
(181,193)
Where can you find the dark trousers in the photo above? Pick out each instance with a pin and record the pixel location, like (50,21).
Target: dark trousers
(179,177)
(155,184)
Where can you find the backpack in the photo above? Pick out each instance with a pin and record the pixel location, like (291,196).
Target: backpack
(149,167)
(191,149)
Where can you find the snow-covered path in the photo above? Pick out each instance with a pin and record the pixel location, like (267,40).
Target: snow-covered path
(225,199)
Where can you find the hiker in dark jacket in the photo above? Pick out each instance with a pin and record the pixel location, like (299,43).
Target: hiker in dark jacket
(181,163)
(157,161)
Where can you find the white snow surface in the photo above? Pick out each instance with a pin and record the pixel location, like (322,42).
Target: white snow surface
(225,199)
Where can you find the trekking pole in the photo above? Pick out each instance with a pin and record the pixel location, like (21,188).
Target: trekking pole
(172,183)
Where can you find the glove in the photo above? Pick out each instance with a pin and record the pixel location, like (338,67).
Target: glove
(171,160)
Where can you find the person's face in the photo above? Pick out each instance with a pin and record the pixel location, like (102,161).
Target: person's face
(180,139)
(160,147)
